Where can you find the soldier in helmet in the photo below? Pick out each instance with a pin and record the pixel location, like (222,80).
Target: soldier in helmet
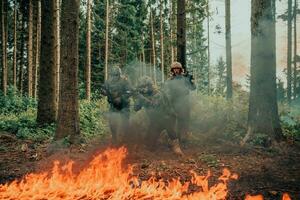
(118,91)
(176,92)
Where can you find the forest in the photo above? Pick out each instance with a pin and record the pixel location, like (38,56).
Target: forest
(139,99)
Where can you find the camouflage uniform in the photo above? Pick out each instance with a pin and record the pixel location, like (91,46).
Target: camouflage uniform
(148,97)
(118,91)
(176,93)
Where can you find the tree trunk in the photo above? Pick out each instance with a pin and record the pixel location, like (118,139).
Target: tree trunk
(162,43)
(153,47)
(37,52)
(4,45)
(172,27)
(208,48)
(228,50)
(263,110)
(30,54)
(88,53)
(21,71)
(289,52)
(15,47)
(46,113)
(295,50)
(144,73)
(181,33)
(34,44)
(68,113)
(56,50)
(106,40)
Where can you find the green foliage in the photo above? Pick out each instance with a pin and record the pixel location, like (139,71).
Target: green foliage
(224,119)
(24,126)
(290,121)
(18,116)
(260,139)
(92,120)
(14,103)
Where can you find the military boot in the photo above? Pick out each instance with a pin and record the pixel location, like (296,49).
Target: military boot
(176,147)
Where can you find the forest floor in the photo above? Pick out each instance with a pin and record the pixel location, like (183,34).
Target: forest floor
(269,172)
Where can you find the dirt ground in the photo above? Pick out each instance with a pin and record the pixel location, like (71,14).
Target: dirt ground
(261,171)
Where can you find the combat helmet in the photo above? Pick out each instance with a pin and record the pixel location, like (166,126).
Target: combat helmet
(116,72)
(176,65)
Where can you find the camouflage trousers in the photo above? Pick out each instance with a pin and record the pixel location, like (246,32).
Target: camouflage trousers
(119,124)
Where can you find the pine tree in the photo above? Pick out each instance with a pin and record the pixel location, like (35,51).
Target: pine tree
(289,52)
(181,33)
(263,110)
(228,50)
(46,113)
(68,109)
(4,5)
(29,49)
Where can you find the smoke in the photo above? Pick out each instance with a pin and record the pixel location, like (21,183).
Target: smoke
(168,110)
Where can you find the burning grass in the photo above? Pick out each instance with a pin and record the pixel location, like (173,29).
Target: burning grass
(105,178)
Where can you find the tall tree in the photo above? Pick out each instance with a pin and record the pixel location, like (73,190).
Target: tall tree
(153,46)
(22,46)
(46,113)
(68,110)
(4,6)
(208,47)
(289,52)
(172,27)
(57,48)
(106,40)
(15,46)
(263,110)
(88,52)
(29,48)
(295,50)
(37,51)
(228,50)
(162,42)
(181,33)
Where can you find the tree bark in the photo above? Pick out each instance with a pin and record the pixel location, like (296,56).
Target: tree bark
(15,47)
(4,45)
(208,48)
(181,33)
(172,27)
(56,19)
(106,40)
(88,53)
(68,113)
(37,52)
(228,50)
(30,54)
(289,52)
(162,43)
(153,47)
(263,110)
(295,50)
(22,45)
(46,113)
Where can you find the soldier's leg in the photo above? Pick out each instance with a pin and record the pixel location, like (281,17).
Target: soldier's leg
(124,123)
(112,120)
(172,129)
(154,129)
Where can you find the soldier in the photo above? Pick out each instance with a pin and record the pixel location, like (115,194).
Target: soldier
(118,91)
(176,92)
(147,97)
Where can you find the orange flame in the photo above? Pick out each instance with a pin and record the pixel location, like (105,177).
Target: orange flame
(256,197)
(104,178)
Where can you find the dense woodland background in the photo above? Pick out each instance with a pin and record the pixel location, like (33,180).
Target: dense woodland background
(56,54)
